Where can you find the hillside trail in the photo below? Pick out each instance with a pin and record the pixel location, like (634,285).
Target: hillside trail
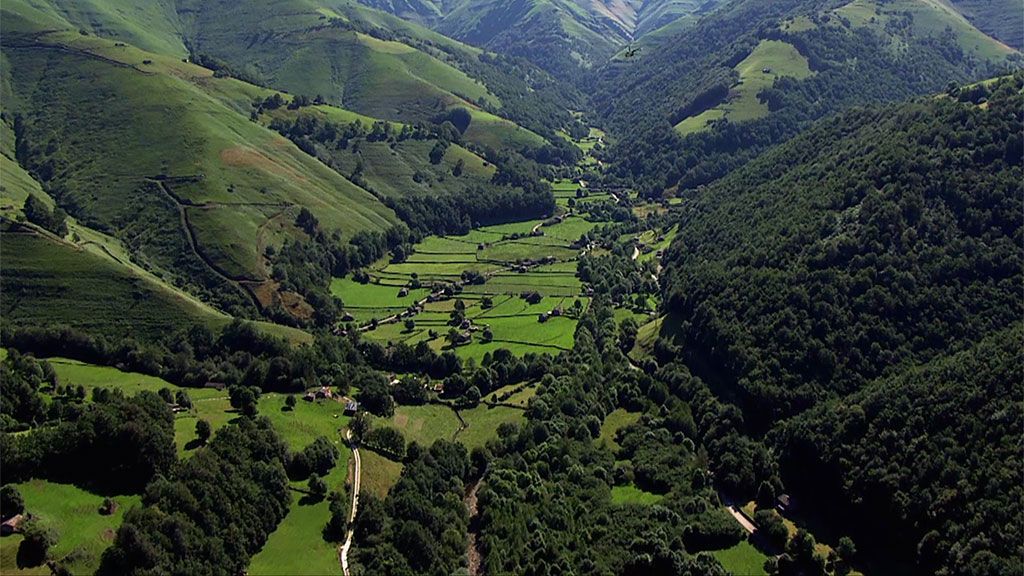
(343,551)
(472,547)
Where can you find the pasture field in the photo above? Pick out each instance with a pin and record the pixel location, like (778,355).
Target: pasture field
(83,532)
(614,421)
(372,295)
(569,229)
(425,424)
(630,494)
(513,251)
(307,421)
(743,559)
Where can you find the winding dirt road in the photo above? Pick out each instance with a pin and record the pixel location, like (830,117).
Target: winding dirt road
(355,503)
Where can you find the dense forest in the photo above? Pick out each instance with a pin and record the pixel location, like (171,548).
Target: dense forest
(935,451)
(818,276)
(882,238)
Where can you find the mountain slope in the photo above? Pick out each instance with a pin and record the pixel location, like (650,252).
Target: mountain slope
(565,37)
(934,451)
(1002,19)
(882,237)
(193,187)
(753,74)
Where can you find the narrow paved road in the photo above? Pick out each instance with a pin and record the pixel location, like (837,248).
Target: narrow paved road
(355,504)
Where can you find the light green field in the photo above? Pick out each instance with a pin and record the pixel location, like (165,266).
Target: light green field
(614,421)
(742,560)
(356,295)
(297,546)
(307,422)
(622,495)
(425,424)
(482,423)
(515,251)
(379,473)
(83,532)
(569,229)
(769,60)
(930,17)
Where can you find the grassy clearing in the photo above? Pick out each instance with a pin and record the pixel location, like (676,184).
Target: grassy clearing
(83,532)
(617,419)
(622,495)
(307,422)
(356,295)
(301,530)
(482,423)
(769,60)
(425,424)
(646,336)
(743,559)
(379,473)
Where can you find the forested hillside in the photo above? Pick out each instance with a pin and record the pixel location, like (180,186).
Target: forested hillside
(753,74)
(881,238)
(934,451)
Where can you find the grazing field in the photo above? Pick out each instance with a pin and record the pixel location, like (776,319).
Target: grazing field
(614,421)
(630,494)
(83,532)
(307,421)
(373,296)
(426,424)
(743,559)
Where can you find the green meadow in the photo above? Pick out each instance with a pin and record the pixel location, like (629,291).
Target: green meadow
(83,532)
(630,494)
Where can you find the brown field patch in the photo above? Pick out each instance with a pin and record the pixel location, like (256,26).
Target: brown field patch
(246,157)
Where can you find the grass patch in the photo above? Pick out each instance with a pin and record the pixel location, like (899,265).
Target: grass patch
(615,420)
(622,495)
(483,421)
(743,559)
(769,60)
(425,424)
(379,473)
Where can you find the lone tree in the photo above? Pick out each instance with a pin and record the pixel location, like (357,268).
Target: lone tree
(289,402)
(203,431)
(11,502)
(317,486)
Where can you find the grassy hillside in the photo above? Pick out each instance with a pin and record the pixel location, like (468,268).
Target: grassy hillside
(49,281)
(163,155)
(1001,19)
